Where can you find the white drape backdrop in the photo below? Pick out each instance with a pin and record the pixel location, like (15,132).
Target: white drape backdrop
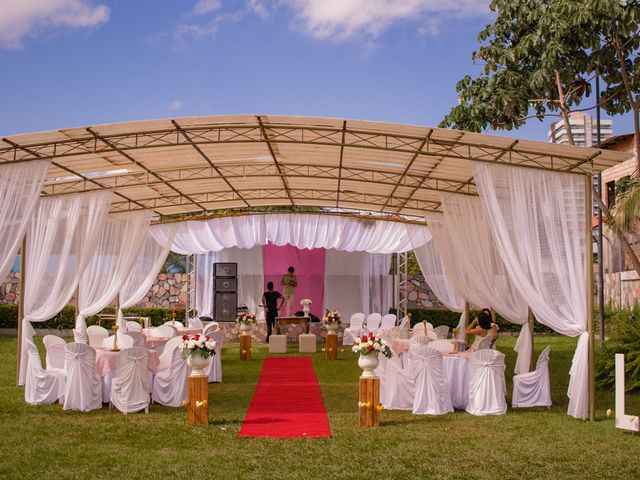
(346,282)
(115,254)
(149,261)
(485,278)
(538,221)
(378,282)
(250,277)
(20,186)
(61,239)
(299,230)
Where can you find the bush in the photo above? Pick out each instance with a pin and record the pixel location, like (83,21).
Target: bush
(67,317)
(625,339)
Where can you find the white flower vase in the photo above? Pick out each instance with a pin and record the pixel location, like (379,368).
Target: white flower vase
(368,363)
(245,328)
(305,309)
(197,363)
(332,328)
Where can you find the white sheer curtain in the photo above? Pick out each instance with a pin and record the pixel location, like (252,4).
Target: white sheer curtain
(20,186)
(538,221)
(61,239)
(485,276)
(250,277)
(346,282)
(299,230)
(379,265)
(116,251)
(149,261)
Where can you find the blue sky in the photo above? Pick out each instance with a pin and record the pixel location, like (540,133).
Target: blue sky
(77,62)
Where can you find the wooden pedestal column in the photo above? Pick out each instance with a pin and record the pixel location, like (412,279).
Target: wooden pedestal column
(331,348)
(245,347)
(369,407)
(198,403)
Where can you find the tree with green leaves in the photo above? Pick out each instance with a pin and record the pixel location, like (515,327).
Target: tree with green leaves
(538,60)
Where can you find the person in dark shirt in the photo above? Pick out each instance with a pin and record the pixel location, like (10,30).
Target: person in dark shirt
(270,301)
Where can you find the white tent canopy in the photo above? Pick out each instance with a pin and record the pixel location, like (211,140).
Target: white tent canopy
(206,167)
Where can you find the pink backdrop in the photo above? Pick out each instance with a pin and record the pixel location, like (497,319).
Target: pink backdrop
(309,268)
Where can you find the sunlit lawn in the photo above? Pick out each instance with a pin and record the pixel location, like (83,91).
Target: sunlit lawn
(45,442)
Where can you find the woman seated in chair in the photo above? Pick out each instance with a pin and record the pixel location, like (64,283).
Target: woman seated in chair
(481,327)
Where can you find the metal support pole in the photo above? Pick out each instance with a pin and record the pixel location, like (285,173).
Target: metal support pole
(530,324)
(589,293)
(600,235)
(403,298)
(23,255)
(192,273)
(466,321)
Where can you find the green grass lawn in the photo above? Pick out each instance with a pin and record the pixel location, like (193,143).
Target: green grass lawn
(43,442)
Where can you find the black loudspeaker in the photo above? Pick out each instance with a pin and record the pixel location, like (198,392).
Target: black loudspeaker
(226,285)
(225,307)
(225,270)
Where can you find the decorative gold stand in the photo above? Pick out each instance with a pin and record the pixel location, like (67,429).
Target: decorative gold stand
(331,348)
(369,406)
(245,347)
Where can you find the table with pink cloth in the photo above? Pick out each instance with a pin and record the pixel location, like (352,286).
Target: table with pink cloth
(107,363)
(189,331)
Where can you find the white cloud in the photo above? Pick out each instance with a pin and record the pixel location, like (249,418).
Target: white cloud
(202,7)
(186,32)
(23,18)
(258,7)
(344,19)
(175,105)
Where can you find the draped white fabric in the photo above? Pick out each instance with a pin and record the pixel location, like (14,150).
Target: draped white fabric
(83,389)
(299,230)
(20,186)
(61,239)
(345,278)
(115,254)
(538,221)
(379,265)
(433,269)
(150,258)
(250,277)
(485,280)
(130,389)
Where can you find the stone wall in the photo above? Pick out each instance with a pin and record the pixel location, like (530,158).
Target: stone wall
(9,289)
(420,295)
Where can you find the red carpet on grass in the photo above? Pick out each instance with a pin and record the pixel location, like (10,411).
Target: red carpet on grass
(287,402)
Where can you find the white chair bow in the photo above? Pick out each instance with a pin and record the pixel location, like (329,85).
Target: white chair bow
(533,389)
(432,395)
(41,386)
(130,389)
(170,383)
(83,389)
(487,386)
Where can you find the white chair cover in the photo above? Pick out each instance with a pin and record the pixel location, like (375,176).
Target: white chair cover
(404,323)
(388,321)
(41,386)
(354,329)
(133,326)
(399,387)
(432,395)
(55,352)
(443,346)
(164,331)
(533,389)
(124,341)
(442,331)
(195,323)
(96,335)
(139,340)
(214,367)
(170,383)
(176,324)
(210,328)
(83,389)
(418,329)
(130,390)
(487,386)
(373,322)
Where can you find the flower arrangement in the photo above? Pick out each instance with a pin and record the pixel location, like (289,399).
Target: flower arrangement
(198,343)
(371,344)
(305,302)
(332,316)
(246,318)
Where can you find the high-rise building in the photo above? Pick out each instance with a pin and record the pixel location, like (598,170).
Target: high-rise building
(583,128)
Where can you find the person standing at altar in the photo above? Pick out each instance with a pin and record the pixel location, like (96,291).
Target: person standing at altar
(270,301)
(290,282)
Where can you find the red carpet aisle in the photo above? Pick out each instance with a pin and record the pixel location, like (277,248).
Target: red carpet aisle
(287,402)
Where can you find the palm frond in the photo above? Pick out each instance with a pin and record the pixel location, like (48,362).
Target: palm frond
(627,206)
